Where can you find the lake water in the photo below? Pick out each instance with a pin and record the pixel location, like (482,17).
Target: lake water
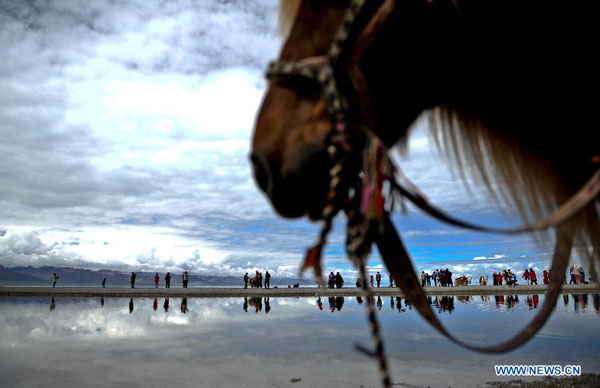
(262,342)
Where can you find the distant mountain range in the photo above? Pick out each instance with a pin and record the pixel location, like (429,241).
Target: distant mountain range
(42,276)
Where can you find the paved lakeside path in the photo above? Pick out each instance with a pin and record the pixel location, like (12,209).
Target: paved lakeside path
(280,292)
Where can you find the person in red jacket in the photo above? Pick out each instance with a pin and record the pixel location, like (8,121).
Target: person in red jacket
(533,276)
(156,279)
(527,276)
(545,279)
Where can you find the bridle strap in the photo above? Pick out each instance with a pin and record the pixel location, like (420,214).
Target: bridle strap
(573,205)
(398,262)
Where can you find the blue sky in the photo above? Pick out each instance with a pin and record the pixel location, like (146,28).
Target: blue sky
(124,134)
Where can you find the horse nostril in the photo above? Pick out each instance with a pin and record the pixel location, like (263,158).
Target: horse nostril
(262,173)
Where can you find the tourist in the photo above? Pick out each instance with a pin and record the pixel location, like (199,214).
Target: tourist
(358,282)
(260,277)
(168,280)
(494,278)
(132,280)
(582,275)
(422,278)
(246,280)
(331,282)
(449,278)
(572,273)
(391,280)
(372,281)
(54,278)
(104,282)
(545,276)
(378,279)
(436,277)
(185,277)
(267,280)
(156,279)
(526,276)
(339,280)
(533,276)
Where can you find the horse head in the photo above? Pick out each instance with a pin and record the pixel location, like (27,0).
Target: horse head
(289,154)
(289,147)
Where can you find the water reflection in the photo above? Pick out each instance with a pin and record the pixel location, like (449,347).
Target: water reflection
(184,308)
(294,339)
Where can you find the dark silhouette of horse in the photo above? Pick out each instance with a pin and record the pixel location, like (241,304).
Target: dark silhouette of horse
(504,87)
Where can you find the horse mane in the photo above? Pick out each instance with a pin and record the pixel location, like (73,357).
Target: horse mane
(512,175)
(288,10)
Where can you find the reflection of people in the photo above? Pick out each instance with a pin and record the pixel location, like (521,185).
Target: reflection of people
(132,280)
(168,280)
(267,305)
(104,282)
(54,278)
(245,304)
(166,305)
(339,302)
(52,304)
(184,308)
(130,305)
(102,302)
(319,304)
(155,304)
(379,302)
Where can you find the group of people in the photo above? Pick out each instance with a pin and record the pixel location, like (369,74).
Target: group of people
(257,280)
(335,281)
(577,275)
(509,278)
(440,277)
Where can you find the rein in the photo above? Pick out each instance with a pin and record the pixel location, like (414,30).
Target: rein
(357,190)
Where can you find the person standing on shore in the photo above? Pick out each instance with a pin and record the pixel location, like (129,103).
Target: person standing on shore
(533,276)
(246,280)
(185,277)
(267,280)
(422,278)
(331,282)
(526,276)
(391,280)
(339,280)
(168,280)
(156,279)
(54,279)
(132,280)
(372,282)
(378,279)
(545,277)
(104,282)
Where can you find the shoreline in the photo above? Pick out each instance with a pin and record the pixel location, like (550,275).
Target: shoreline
(282,292)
